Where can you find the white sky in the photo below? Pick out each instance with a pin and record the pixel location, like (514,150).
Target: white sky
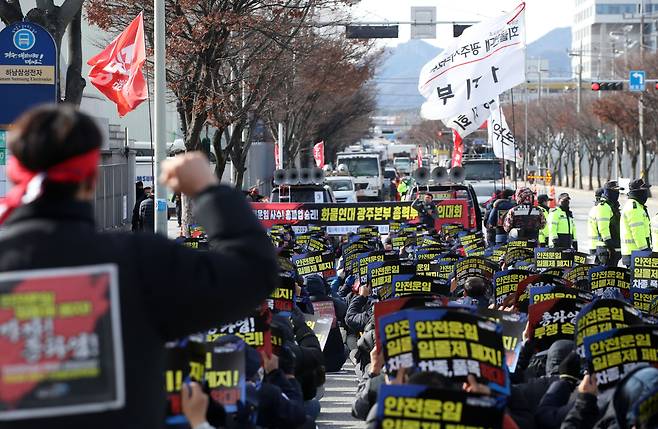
(541,15)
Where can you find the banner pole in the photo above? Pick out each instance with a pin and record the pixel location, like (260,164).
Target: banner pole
(160,118)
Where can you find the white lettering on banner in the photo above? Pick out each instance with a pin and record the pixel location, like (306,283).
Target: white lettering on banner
(469,122)
(486,60)
(500,135)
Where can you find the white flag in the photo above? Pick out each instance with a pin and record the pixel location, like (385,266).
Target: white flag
(469,122)
(486,60)
(500,136)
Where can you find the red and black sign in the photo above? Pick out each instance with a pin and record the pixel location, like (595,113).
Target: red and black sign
(60,337)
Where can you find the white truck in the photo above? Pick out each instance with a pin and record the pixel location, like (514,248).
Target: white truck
(366,169)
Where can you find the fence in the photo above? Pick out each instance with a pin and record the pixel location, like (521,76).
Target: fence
(114,197)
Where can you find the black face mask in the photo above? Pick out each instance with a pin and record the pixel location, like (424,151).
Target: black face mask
(564,204)
(640,195)
(612,195)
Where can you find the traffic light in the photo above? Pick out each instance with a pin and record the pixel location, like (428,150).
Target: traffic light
(607,86)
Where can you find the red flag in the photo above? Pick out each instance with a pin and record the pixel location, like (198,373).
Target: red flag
(458,150)
(117,71)
(318,154)
(419,156)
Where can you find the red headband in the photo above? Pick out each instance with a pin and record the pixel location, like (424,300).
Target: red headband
(28,184)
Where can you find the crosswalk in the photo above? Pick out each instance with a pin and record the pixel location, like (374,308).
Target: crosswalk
(339,391)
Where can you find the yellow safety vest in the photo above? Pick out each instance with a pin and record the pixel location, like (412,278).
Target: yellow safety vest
(634,228)
(654,233)
(592,229)
(543,233)
(560,224)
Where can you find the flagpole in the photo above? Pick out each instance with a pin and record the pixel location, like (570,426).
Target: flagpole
(516,185)
(160,119)
(502,145)
(148,89)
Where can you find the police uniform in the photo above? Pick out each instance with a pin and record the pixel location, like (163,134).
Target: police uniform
(561,227)
(592,231)
(607,218)
(635,229)
(542,237)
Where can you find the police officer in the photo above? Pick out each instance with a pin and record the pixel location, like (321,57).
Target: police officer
(524,220)
(561,226)
(607,216)
(635,230)
(497,216)
(164,291)
(542,204)
(592,232)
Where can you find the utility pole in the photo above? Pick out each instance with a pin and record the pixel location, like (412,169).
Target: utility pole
(160,124)
(580,78)
(525,137)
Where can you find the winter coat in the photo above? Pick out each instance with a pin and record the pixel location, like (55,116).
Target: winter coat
(166,291)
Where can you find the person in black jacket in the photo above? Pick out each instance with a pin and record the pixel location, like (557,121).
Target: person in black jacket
(166,291)
(147,214)
(140,195)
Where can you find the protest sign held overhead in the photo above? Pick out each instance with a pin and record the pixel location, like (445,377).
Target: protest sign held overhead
(415,406)
(613,279)
(506,282)
(60,326)
(225,374)
(456,343)
(414,284)
(486,60)
(613,353)
(605,314)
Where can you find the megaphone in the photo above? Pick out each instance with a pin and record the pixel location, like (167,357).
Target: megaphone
(292,176)
(317,175)
(305,175)
(457,174)
(342,168)
(421,175)
(279,176)
(439,174)
(326,169)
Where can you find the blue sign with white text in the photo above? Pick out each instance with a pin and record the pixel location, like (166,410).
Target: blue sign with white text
(28,72)
(636,81)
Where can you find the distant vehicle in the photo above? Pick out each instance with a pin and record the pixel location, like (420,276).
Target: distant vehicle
(484,175)
(402,164)
(343,188)
(367,172)
(302,194)
(390,173)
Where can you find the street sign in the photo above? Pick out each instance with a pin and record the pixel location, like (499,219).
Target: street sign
(636,80)
(423,22)
(28,74)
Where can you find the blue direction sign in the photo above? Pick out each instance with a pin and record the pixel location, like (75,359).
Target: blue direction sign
(636,80)
(28,72)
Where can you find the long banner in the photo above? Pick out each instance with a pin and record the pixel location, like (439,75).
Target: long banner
(343,218)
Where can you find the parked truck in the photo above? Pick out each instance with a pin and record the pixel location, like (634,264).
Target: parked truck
(366,169)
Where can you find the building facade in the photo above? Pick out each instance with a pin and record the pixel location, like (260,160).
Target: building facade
(607,30)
